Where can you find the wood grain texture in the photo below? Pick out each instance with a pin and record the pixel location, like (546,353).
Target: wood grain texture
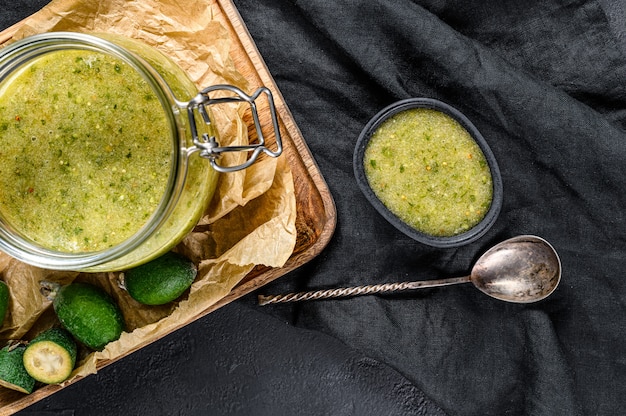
(316,213)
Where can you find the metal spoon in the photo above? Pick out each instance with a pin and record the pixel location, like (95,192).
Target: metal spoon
(521,269)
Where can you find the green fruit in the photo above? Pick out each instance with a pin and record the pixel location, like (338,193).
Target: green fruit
(4,301)
(50,357)
(88,313)
(161,280)
(13,375)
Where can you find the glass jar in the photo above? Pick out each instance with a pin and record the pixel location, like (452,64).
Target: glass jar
(108,152)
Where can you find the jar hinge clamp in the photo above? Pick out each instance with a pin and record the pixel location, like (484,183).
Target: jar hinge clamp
(209,147)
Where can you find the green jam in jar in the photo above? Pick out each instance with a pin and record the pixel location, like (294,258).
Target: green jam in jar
(428,171)
(99,168)
(84,163)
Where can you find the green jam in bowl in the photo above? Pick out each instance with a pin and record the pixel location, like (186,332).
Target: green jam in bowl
(427,169)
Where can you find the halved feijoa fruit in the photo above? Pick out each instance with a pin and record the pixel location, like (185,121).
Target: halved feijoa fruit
(50,357)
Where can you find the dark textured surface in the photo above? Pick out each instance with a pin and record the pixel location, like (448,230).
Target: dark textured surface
(544,83)
(239,362)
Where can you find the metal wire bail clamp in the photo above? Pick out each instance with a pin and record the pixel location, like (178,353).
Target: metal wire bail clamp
(209,147)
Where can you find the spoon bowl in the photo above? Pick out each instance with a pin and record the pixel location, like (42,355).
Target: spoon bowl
(522,269)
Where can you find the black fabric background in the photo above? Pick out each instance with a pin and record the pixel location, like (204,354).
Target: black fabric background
(544,82)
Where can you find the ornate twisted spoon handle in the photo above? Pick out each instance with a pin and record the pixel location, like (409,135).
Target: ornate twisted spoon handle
(358,290)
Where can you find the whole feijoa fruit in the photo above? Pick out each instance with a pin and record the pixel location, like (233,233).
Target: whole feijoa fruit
(161,280)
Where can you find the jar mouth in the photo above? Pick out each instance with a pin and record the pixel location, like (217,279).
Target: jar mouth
(113,152)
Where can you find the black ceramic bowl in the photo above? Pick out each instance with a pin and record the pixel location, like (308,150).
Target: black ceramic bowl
(436,241)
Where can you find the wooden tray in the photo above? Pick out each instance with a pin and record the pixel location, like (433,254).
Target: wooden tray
(316,214)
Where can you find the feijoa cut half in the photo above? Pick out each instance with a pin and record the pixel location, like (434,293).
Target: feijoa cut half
(50,357)
(89,313)
(161,280)
(13,375)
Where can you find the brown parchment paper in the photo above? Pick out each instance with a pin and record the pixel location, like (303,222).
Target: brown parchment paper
(251,220)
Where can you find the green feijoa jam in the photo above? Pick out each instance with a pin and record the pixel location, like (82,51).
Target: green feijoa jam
(4,300)
(88,313)
(426,168)
(161,280)
(13,375)
(85,146)
(50,357)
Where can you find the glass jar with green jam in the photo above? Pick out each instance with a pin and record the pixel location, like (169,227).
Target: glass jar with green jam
(108,152)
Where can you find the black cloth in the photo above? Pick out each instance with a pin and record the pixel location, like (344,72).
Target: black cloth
(544,81)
